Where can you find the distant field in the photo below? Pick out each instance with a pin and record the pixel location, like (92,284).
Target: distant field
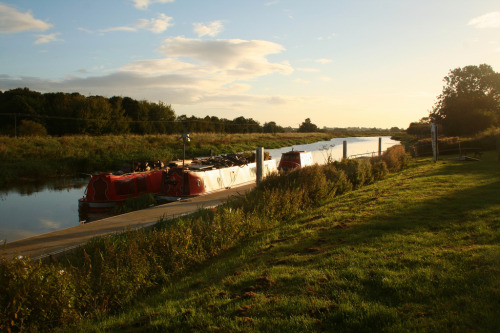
(417,251)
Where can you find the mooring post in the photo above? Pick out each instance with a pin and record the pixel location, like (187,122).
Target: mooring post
(379,146)
(498,147)
(259,158)
(345,149)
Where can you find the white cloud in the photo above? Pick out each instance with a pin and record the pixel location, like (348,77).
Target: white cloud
(157,25)
(44,39)
(323,61)
(490,20)
(12,21)
(122,28)
(212,29)
(204,73)
(48,224)
(301,81)
(327,37)
(144,4)
(308,70)
(229,54)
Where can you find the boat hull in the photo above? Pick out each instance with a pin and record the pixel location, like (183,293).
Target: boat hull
(187,183)
(106,190)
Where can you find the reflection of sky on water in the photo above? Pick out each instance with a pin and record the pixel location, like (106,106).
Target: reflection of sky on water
(33,209)
(322,150)
(23,215)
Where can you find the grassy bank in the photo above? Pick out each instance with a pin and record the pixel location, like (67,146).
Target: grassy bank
(41,157)
(417,251)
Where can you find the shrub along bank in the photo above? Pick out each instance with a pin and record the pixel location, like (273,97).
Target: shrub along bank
(109,272)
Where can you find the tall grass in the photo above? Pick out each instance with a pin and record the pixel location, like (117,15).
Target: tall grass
(109,272)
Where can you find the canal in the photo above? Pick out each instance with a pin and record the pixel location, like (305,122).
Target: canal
(33,209)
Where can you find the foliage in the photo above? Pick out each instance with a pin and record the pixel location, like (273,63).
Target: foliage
(108,272)
(422,128)
(307,126)
(31,128)
(486,140)
(35,296)
(470,101)
(71,114)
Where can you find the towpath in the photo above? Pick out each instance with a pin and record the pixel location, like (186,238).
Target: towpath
(56,242)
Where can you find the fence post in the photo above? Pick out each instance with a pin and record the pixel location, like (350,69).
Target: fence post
(259,158)
(498,147)
(379,146)
(345,149)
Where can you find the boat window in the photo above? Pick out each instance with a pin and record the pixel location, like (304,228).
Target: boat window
(198,182)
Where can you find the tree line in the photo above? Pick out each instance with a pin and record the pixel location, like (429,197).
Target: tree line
(468,104)
(27,112)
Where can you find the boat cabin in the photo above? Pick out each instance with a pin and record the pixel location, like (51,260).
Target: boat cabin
(295,159)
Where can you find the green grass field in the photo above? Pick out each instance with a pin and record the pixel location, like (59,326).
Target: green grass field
(417,251)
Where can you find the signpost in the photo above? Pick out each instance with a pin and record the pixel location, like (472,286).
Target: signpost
(434,135)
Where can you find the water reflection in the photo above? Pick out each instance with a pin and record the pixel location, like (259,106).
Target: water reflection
(35,208)
(29,188)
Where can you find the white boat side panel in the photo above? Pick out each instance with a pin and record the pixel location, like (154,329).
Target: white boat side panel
(219,179)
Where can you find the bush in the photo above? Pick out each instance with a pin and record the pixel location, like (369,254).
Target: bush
(34,296)
(395,158)
(358,171)
(31,128)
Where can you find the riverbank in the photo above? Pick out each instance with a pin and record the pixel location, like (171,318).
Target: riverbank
(416,251)
(34,158)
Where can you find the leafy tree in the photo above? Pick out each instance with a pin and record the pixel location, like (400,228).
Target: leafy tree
(470,101)
(307,126)
(272,127)
(421,128)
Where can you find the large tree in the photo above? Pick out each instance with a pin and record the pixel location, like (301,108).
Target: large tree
(470,101)
(307,126)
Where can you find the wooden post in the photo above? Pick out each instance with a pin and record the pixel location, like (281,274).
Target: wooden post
(259,158)
(498,147)
(434,137)
(379,146)
(345,149)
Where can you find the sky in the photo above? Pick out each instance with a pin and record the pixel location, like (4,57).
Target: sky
(341,63)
